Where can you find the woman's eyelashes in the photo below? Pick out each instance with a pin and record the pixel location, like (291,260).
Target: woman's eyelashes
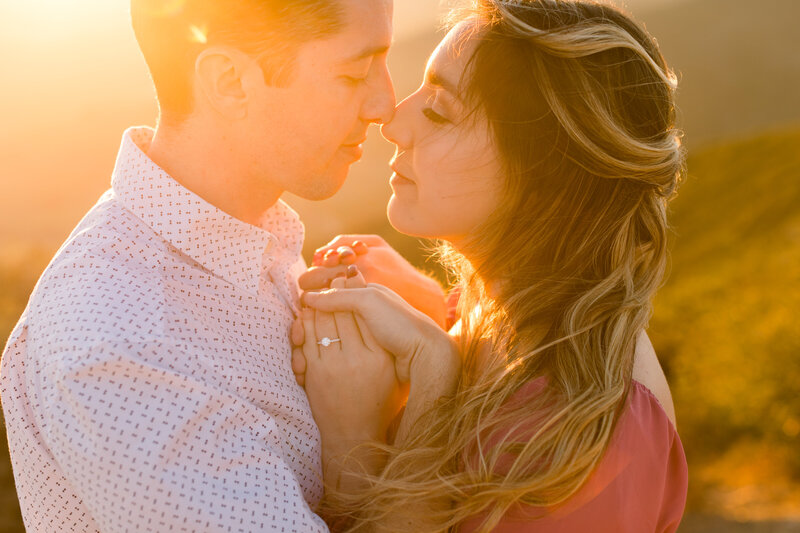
(433,116)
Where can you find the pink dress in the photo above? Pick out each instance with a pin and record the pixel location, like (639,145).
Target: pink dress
(639,486)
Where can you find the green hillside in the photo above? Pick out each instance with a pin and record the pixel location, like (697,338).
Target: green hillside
(726,325)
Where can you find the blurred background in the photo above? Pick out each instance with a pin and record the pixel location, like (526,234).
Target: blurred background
(726,325)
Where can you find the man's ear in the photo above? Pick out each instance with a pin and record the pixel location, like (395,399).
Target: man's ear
(218,74)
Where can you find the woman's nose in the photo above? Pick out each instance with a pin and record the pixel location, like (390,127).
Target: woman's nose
(397,130)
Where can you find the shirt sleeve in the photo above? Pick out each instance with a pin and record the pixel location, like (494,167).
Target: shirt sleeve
(147,447)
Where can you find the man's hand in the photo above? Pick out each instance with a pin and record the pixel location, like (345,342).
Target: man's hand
(379,263)
(298,337)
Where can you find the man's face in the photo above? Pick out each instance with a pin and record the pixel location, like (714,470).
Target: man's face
(304,136)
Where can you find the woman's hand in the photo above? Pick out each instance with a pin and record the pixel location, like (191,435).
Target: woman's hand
(380,264)
(398,328)
(426,357)
(349,378)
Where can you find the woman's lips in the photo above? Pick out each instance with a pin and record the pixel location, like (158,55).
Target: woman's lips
(399,179)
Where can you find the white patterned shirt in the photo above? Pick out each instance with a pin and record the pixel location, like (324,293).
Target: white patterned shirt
(148,384)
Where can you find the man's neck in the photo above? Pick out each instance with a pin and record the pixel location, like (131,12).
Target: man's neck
(210,168)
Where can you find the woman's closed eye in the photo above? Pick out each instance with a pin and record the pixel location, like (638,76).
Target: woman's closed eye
(354,80)
(433,116)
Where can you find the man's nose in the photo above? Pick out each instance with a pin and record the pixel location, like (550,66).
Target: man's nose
(380,105)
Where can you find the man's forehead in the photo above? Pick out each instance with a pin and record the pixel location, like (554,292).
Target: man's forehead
(368,27)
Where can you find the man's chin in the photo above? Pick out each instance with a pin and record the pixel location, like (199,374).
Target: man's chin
(325,187)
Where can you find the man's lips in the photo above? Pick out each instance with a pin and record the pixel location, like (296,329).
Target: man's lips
(356,150)
(356,143)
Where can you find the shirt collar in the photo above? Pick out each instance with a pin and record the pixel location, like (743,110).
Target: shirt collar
(230,248)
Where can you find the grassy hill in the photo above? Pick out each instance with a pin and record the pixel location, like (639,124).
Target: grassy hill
(726,325)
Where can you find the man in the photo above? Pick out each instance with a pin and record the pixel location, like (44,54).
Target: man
(148,386)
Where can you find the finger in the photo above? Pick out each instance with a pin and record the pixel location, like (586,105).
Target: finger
(346,326)
(310,347)
(326,327)
(355,280)
(346,255)
(338,282)
(348,239)
(331,258)
(297,334)
(319,277)
(360,244)
(331,300)
(299,365)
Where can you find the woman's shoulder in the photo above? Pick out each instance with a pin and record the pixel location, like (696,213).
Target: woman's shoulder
(648,373)
(647,436)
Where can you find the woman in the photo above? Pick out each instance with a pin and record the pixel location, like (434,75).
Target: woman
(542,150)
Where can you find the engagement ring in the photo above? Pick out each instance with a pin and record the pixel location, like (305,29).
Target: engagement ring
(327,341)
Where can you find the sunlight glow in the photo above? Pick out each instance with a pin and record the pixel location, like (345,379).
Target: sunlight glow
(199,35)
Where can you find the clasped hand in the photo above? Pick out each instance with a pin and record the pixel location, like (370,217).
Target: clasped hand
(360,343)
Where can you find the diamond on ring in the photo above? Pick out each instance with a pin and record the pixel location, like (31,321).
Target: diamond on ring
(326,341)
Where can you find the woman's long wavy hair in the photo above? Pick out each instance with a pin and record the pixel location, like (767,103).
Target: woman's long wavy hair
(581,106)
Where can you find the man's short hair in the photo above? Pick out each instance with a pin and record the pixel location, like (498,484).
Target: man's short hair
(171,34)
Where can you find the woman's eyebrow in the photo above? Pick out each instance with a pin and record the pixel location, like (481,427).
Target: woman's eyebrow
(435,79)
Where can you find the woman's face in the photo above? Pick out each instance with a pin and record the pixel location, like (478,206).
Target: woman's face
(447,176)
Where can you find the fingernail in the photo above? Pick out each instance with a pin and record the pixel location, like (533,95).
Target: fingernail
(360,247)
(352,271)
(346,252)
(330,253)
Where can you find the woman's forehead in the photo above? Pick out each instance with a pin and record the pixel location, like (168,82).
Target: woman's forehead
(447,63)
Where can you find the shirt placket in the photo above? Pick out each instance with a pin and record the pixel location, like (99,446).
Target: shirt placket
(275,275)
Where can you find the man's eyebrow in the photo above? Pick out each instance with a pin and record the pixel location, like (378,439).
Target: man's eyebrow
(437,80)
(368,52)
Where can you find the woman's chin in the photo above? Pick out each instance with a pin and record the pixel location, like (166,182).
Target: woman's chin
(402,218)
(407,221)
(394,213)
